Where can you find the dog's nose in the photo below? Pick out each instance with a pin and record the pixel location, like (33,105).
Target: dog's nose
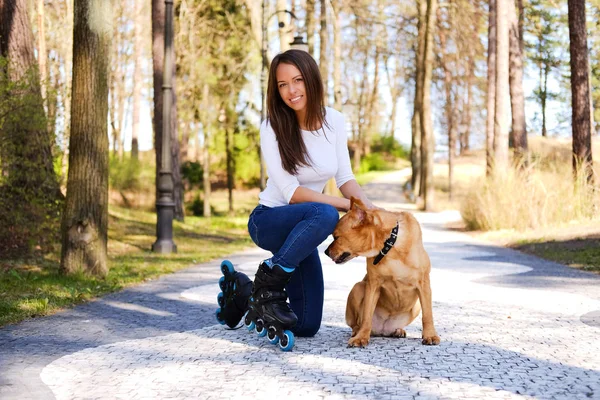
(327,252)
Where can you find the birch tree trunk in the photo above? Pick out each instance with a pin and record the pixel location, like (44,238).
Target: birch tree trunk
(337,54)
(137,78)
(85,219)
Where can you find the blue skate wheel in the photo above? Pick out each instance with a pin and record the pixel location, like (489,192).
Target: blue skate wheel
(272,337)
(220,299)
(251,325)
(227,267)
(286,343)
(218,315)
(261,331)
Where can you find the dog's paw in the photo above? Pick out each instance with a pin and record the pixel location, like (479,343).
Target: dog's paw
(399,333)
(431,340)
(358,341)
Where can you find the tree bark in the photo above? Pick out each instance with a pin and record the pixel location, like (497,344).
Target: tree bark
(580,91)
(158,42)
(42,52)
(85,219)
(137,77)
(323,50)
(205,152)
(517,97)
(502,117)
(415,147)
(284,31)
(337,54)
(491,88)
(27,148)
(427,137)
(310,26)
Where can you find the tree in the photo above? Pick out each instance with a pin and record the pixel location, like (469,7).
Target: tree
(158,31)
(85,220)
(491,88)
(501,117)
(415,148)
(427,137)
(28,183)
(580,91)
(517,97)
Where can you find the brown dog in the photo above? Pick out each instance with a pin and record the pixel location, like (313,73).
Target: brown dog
(396,286)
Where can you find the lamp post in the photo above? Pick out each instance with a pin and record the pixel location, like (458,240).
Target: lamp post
(298,43)
(165,206)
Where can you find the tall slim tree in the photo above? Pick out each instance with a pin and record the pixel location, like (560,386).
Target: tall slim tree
(427,137)
(517,97)
(138,78)
(502,114)
(85,220)
(580,90)
(491,88)
(158,41)
(415,147)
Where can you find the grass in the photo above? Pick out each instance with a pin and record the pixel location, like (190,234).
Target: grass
(34,287)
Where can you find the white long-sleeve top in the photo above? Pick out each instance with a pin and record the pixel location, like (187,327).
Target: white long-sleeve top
(328,157)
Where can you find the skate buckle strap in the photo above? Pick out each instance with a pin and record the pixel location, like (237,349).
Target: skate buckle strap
(387,246)
(271,295)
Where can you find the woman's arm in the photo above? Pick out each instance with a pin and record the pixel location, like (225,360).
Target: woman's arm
(303,195)
(353,189)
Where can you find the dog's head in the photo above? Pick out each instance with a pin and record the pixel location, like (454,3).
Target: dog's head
(358,233)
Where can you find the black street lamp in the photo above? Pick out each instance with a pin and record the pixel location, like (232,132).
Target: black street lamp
(165,206)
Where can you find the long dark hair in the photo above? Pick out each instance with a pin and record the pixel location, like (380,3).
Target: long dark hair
(283,119)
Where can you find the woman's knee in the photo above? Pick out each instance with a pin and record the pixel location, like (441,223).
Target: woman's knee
(308,329)
(328,216)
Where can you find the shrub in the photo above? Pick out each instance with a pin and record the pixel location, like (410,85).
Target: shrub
(124,174)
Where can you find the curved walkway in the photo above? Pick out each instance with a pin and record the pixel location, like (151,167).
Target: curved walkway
(512,326)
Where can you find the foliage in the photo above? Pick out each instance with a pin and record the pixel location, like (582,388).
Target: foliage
(192,173)
(33,287)
(124,174)
(29,195)
(389,145)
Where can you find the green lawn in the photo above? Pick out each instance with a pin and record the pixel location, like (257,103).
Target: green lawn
(31,288)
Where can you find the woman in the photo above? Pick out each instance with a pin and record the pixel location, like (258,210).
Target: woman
(304,144)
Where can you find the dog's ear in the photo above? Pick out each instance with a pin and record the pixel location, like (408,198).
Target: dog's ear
(358,208)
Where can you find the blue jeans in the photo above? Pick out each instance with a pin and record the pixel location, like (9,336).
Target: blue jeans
(292,233)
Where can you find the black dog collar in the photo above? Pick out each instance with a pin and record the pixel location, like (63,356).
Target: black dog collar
(389,243)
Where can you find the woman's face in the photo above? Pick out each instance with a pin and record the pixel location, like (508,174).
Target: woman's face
(290,84)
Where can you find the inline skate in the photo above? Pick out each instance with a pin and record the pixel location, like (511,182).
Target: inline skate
(236,289)
(269,314)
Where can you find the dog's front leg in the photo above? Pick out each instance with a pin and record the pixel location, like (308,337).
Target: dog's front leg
(372,290)
(429,334)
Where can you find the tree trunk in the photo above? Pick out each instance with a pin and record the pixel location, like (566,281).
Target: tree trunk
(42,52)
(284,31)
(491,89)
(580,91)
(544,96)
(205,151)
(310,26)
(337,54)
(502,117)
(85,219)
(427,137)
(415,147)
(230,172)
(449,108)
(465,136)
(517,97)
(137,77)
(323,46)
(158,42)
(26,143)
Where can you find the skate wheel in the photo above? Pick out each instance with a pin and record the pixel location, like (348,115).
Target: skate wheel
(261,331)
(227,267)
(286,343)
(272,336)
(220,299)
(218,315)
(251,325)
(222,283)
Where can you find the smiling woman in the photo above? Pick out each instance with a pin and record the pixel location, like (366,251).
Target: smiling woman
(304,144)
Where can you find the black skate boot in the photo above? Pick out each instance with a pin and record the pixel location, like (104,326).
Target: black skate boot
(269,313)
(236,289)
